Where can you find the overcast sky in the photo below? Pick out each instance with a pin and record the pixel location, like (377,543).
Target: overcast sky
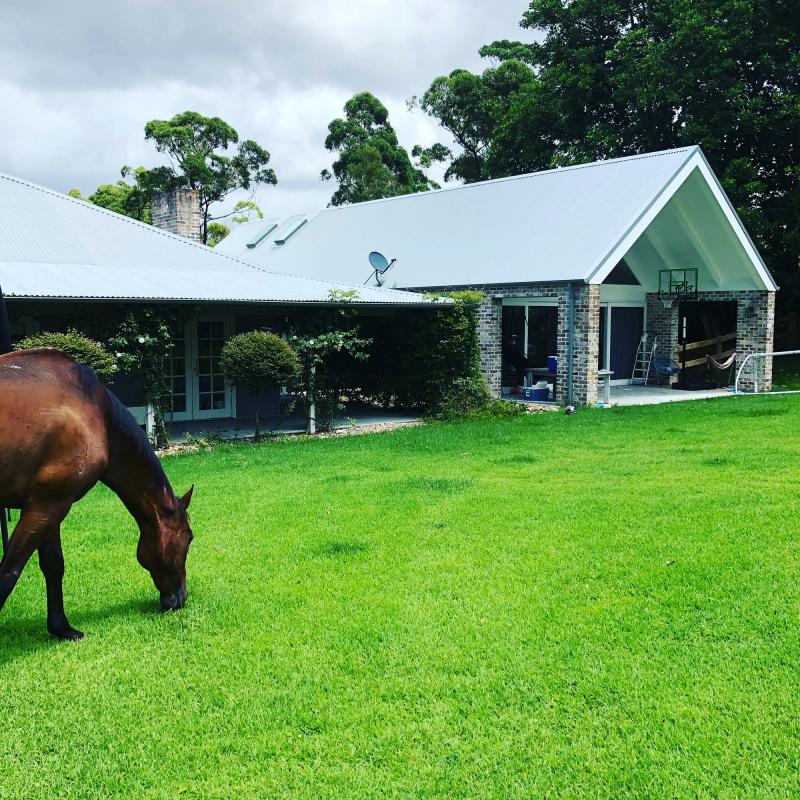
(79,79)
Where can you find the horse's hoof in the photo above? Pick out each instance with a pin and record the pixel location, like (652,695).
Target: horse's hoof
(67,634)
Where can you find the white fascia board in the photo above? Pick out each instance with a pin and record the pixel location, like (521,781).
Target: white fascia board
(738,227)
(602,270)
(696,159)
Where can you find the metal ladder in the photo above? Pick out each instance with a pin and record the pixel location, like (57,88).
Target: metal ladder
(642,362)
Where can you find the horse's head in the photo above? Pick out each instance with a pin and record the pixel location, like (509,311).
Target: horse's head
(163,554)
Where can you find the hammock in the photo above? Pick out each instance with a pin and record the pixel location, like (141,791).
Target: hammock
(728,362)
(721,365)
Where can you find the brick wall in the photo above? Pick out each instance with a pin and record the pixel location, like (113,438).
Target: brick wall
(586,342)
(755,329)
(662,327)
(178,212)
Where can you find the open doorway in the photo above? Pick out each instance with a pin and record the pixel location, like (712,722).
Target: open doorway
(529,345)
(706,328)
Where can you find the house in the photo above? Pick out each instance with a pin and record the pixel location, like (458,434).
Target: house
(67,263)
(576,263)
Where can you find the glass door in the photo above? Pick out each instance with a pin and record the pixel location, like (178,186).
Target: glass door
(212,395)
(179,406)
(625,331)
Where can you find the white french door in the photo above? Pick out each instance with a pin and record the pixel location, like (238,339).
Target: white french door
(179,378)
(212,395)
(198,389)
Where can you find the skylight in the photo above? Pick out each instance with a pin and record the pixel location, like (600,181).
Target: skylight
(290,229)
(261,235)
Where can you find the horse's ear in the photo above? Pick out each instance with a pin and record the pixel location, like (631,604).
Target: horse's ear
(187,498)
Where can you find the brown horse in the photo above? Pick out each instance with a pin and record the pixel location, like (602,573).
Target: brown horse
(62,431)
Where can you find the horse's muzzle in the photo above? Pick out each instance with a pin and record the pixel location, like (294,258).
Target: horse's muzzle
(172,602)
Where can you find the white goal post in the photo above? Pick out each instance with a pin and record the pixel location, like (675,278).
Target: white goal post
(755,390)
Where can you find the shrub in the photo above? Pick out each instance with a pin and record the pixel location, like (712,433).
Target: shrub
(462,397)
(327,358)
(423,356)
(502,408)
(142,338)
(83,349)
(259,361)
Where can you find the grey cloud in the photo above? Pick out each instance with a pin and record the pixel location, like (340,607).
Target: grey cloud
(78,80)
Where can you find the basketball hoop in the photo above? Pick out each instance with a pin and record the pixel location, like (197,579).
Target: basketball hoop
(680,284)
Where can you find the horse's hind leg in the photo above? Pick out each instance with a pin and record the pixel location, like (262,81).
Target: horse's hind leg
(51,561)
(37,522)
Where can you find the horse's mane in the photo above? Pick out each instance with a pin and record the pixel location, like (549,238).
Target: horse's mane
(123,423)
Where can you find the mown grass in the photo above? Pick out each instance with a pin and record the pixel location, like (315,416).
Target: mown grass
(603,605)
(786,372)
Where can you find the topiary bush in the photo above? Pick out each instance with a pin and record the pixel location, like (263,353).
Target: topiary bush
(259,361)
(83,349)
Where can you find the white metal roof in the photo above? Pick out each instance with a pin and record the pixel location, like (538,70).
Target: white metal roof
(568,224)
(55,246)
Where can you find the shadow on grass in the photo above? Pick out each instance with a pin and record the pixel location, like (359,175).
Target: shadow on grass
(442,485)
(717,461)
(757,412)
(340,549)
(21,637)
(519,458)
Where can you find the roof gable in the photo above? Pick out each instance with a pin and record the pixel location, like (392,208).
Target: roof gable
(567,224)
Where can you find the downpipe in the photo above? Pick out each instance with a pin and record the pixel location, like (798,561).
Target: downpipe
(570,341)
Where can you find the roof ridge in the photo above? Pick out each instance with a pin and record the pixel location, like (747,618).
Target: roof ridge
(570,168)
(174,236)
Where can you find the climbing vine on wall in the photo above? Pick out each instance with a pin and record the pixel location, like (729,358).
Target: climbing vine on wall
(143,340)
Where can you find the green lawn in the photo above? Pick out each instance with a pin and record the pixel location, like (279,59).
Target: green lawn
(786,372)
(603,605)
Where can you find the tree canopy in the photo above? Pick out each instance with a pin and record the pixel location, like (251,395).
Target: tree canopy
(608,78)
(130,199)
(197,147)
(371,162)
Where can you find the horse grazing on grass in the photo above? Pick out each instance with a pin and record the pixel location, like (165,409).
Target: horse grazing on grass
(62,431)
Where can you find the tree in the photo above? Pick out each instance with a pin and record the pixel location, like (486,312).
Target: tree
(83,349)
(473,108)
(371,163)
(259,361)
(610,78)
(196,146)
(130,199)
(216,233)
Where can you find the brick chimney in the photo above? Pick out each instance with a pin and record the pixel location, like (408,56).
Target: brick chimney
(178,212)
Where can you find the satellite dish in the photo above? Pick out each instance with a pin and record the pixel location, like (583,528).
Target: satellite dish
(378,261)
(380,264)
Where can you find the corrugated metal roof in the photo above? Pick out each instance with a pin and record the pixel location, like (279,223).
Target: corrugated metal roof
(55,246)
(557,225)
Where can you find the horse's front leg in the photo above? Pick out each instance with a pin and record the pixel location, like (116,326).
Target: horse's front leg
(51,561)
(37,523)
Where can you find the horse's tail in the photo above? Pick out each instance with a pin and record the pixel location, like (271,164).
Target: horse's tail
(5,327)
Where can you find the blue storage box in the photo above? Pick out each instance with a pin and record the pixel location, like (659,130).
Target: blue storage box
(531,393)
(552,363)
